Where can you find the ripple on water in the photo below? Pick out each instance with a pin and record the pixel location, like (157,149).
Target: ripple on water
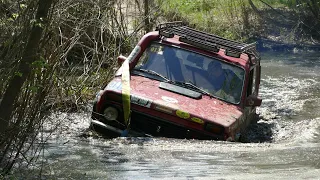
(283,144)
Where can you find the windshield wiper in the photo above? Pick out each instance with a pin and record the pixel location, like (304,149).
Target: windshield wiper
(183,84)
(154,73)
(193,86)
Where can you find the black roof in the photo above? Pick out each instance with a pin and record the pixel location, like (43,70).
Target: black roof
(206,40)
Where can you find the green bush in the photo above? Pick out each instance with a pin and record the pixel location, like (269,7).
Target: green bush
(238,20)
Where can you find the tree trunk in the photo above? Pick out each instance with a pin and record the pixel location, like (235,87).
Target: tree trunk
(146,16)
(29,56)
(255,9)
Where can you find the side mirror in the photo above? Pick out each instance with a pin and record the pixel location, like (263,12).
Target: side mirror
(253,101)
(121,59)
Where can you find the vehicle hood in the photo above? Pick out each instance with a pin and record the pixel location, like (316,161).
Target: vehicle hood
(146,92)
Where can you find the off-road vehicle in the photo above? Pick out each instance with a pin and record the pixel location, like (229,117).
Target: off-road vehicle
(179,82)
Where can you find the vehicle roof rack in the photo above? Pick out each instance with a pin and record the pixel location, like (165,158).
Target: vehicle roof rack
(205,40)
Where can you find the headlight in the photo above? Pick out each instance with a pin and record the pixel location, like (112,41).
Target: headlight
(111,113)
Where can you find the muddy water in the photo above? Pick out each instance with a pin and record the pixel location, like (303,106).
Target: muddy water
(284,144)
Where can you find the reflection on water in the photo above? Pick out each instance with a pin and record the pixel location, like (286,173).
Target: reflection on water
(284,144)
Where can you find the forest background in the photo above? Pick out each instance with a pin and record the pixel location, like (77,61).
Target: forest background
(56,54)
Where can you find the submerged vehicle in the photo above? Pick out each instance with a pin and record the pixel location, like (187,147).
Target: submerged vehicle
(179,82)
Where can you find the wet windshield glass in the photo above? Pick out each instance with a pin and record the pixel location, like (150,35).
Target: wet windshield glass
(219,78)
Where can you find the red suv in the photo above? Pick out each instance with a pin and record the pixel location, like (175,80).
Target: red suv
(179,82)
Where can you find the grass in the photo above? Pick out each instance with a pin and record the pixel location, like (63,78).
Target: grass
(232,19)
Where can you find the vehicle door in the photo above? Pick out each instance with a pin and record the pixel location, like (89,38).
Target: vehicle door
(252,90)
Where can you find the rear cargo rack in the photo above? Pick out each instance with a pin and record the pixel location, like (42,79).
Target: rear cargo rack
(207,41)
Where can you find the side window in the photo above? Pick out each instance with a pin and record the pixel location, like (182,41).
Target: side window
(252,83)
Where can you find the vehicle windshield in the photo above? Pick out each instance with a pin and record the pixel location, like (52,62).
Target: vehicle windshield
(220,79)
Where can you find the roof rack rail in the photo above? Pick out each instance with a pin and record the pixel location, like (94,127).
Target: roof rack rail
(205,40)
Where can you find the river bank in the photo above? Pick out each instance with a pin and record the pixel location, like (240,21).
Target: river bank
(274,25)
